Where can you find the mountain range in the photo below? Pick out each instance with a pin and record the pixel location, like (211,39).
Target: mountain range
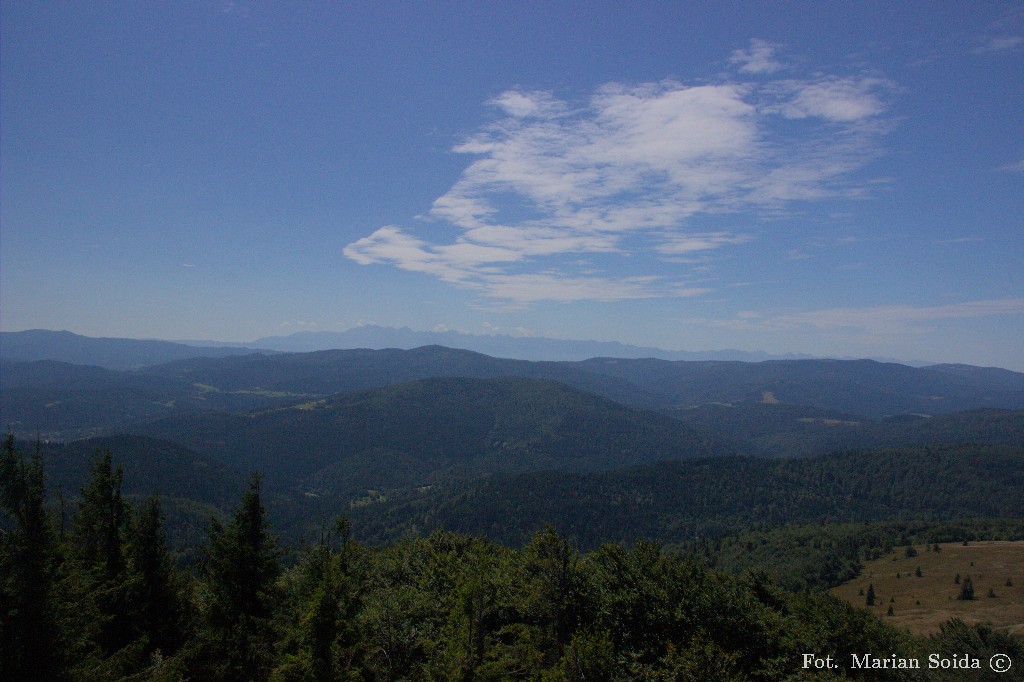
(113,353)
(439,437)
(498,345)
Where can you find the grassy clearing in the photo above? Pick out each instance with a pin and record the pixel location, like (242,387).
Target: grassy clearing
(921,604)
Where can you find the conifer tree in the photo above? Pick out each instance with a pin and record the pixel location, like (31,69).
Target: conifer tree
(240,566)
(99,531)
(161,608)
(966,589)
(553,578)
(31,643)
(318,645)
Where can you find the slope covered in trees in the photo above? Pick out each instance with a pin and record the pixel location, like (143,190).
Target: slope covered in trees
(426,430)
(780,430)
(106,603)
(675,501)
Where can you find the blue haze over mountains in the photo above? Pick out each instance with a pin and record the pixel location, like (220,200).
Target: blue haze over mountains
(411,433)
(114,353)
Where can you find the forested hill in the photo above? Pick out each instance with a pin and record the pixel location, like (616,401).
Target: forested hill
(860,387)
(103,600)
(781,430)
(420,431)
(674,501)
(64,401)
(336,371)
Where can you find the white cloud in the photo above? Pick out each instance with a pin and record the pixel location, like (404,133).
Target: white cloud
(873,323)
(524,104)
(760,58)
(1017,167)
(682,244)
(1001,44)
(958,240)
(833,99)
(626,174)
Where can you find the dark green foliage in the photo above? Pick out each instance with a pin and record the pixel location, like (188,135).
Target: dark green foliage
(675,501)
(446,606)
(436,429)
(163,615)
(820,556)
(554,590)
(31,647)
(324,592)
(99,534)
(240,567)
(870,598)
(771,430)
(981,641)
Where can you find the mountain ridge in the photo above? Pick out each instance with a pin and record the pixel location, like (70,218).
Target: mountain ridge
(122,353)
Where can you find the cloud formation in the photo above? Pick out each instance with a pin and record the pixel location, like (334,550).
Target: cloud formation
(628,174)
(1003,43)
(871,323)
(759,58)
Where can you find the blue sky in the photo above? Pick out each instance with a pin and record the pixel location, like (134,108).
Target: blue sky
(828,178)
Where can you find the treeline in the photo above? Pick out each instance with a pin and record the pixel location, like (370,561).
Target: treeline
(101,600)
(811,557)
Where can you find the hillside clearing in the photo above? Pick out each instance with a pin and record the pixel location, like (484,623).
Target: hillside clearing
(921,604)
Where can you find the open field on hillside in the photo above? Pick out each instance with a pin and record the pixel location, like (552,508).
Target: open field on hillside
(922,603)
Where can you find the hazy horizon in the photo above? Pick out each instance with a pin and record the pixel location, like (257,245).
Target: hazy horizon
(833,180)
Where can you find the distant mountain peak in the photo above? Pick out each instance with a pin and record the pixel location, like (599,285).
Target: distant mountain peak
(496,345)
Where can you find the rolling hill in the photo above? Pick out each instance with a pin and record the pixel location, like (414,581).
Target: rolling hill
(417,432)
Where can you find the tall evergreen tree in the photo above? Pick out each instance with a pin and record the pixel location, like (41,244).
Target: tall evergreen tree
(31,645)
(554,588)
(160,606)
(240,566)
(99,533)
(322,639)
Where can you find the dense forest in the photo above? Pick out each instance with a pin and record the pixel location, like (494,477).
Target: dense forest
(101,598)
(441,514)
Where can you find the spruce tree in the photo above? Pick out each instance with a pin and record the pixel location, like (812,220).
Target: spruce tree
(869,600)
(31,639)
(160,606)
(324,645)
(99,533)
(554,583)
(241,563)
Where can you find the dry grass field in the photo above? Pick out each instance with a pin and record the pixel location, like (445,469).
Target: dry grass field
(921,604)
